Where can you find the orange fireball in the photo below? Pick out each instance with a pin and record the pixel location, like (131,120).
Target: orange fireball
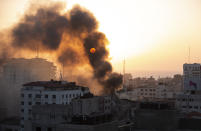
(92,50)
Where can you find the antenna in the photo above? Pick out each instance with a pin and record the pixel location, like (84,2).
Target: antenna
(37,51)
(63,69)
(61,78)
(124,62)
(124,66)
(189,54)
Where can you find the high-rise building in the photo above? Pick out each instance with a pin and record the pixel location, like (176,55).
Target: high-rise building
(46,92)
(192,77)
(18,71)
(189,99)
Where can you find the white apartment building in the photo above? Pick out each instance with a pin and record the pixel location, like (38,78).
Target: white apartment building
(161,91)
(189,100)
(46,92)
(89,104)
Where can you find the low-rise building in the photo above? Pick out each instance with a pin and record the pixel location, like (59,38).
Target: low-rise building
(161,91)
(10,124)
(156,115)
(46,92)
(89,104)
(87,112)
(47,117)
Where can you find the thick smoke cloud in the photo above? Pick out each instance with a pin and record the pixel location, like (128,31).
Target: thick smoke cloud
(70,35)
(45,28)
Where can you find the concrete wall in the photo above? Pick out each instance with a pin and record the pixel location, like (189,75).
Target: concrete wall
(111,126)
(163,120)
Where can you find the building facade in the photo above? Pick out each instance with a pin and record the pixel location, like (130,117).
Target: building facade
(192,77)
(46,92)
(189,100)
(48,117)
(18,71)
(160,91)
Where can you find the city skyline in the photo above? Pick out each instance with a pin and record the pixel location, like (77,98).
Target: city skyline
(153,36)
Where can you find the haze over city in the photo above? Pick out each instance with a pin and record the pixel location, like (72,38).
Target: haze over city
(153,36)
(100,65)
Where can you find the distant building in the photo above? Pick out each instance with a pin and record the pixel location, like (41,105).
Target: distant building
(139,82)
(46,92)
(126,78)
(189,99)
(161,91)
(18,71)
(10,124)
(192,77)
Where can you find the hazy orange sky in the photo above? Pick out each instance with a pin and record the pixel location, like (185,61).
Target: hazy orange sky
(152,35)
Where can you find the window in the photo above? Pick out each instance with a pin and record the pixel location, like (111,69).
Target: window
(195,107)
(141,89)
(22,110)
(22,118)
(22,102)
(29,111)
(69,95)
(73,95)
(53,96)
(8,129)
(62,96)
(46,96)
(190,107)
(38,103)
(66,96)
(22,95)
(30,103)
(22,126)
(38,96)
(52,116)
(183,106)
(49,129)
(46,103)
(30,95)
(38,128)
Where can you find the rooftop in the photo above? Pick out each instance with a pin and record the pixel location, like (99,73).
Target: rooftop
(52,84)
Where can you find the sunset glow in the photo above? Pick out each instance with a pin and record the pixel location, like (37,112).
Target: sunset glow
(152,35)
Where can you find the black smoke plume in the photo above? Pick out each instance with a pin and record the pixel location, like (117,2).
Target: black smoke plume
(71,35)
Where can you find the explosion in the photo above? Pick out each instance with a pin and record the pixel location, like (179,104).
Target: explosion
(70,36)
